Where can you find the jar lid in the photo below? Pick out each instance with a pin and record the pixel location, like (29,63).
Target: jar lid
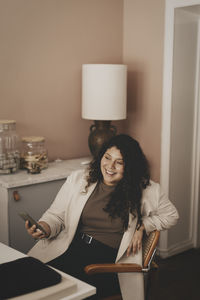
(33,139)
(7,121)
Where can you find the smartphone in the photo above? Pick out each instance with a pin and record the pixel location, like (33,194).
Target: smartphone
(27,217)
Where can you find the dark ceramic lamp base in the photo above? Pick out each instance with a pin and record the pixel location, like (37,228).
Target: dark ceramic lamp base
(100,133)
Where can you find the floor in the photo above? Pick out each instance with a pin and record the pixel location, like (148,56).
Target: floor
(178,277)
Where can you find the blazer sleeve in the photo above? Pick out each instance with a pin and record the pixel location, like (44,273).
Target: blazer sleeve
(55,215)
(157,210)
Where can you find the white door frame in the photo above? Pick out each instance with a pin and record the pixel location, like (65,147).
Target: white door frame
(196,153)
(170,6)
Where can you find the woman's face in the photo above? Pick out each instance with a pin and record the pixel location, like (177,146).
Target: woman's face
(112,166)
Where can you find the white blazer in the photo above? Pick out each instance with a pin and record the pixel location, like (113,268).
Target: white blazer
(64,214)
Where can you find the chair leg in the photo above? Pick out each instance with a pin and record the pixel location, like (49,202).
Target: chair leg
(115,297)
(146,285)
(150,284)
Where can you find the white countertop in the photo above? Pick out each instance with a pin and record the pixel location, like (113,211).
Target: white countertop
(55,171)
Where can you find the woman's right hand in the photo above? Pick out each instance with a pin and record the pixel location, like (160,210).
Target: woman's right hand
(37,233)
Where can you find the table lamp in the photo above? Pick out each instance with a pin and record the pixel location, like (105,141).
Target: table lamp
(104,90)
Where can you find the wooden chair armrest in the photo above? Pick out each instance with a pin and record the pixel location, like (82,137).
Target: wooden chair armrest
(112,268)
(149,244)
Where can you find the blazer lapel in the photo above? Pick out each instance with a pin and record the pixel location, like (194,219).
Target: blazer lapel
(84,196)
(77,208)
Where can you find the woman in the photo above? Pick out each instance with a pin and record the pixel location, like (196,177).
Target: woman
(99,215)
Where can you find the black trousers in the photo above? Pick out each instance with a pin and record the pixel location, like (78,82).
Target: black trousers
(80,254)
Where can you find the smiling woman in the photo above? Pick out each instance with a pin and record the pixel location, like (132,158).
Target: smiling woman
(99,216)
(122,163)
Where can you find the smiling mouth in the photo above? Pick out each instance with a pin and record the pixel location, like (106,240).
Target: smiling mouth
(110,172)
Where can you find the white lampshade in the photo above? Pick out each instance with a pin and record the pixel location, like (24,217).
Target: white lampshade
(104,90)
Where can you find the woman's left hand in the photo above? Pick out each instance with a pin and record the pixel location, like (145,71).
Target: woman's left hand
(136,242)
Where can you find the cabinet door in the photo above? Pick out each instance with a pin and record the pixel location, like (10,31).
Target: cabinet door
(33,199)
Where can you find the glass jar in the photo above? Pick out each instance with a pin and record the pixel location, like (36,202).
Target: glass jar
(33,156)
(9,147)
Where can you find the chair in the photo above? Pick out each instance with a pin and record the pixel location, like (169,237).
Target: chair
(148,267)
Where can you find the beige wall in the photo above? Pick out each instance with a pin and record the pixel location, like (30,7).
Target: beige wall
(143,38)
(43,46)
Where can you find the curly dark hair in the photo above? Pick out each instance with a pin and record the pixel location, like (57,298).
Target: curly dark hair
(128,192)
